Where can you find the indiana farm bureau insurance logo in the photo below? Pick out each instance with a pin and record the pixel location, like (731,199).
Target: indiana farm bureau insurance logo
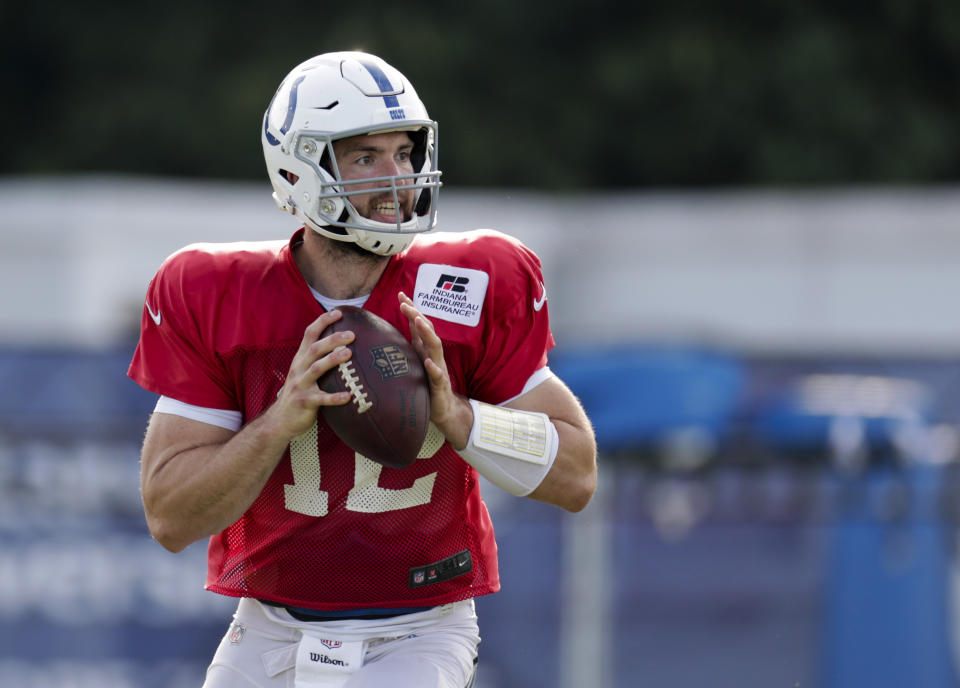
(453,283)
(451,293)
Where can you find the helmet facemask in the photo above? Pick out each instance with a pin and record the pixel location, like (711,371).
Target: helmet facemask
(421,180)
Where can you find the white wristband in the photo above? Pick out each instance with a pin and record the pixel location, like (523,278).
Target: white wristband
(512,449)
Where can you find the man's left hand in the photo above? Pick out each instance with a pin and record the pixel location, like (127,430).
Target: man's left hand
(449,411)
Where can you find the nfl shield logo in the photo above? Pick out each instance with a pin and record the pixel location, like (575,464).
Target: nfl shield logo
(331,644)
(390,361)
(236,633)
(418,577)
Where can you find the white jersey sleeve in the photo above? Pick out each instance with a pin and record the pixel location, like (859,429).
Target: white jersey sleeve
(231,420)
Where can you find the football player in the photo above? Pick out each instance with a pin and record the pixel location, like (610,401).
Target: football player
(350,573)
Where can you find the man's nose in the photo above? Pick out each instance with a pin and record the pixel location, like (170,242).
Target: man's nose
(388,168)
(391,168)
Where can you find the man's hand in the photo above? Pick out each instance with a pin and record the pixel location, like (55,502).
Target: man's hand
(295,410)
(450,412)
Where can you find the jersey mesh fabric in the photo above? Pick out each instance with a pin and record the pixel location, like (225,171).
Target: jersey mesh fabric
(360,539)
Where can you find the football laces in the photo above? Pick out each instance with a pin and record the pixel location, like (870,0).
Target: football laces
(352,382)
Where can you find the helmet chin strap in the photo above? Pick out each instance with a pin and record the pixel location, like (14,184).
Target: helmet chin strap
(366,241)
(383,244)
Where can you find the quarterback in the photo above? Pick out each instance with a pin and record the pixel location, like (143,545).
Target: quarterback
(348,572)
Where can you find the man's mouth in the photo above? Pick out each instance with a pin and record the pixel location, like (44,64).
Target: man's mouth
(387,209)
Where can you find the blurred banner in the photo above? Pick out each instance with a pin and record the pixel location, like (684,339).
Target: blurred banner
(714,553)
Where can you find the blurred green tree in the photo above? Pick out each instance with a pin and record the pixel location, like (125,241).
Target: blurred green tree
(570,95)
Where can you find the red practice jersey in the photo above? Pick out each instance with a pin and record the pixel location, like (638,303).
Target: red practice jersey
(332,529)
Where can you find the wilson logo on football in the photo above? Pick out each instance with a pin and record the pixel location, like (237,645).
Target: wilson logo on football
(390,361)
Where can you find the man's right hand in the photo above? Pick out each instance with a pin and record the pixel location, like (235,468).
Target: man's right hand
(295,410)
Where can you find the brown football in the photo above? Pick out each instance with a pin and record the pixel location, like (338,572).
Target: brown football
(388,415)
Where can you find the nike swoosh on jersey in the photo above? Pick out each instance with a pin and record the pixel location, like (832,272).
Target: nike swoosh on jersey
(538,303)
(157,317)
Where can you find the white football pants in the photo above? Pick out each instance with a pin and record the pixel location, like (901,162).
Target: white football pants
(265,647)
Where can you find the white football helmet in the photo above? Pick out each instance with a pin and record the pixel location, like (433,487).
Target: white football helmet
(334,96)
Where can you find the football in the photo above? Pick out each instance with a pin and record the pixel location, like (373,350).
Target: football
(388,415)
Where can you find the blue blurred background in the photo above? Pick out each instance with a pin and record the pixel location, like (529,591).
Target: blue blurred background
(749,228)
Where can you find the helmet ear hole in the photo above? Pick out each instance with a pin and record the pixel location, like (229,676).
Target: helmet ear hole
(288,176)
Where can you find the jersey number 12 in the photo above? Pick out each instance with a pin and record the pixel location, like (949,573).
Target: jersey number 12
(366,495)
